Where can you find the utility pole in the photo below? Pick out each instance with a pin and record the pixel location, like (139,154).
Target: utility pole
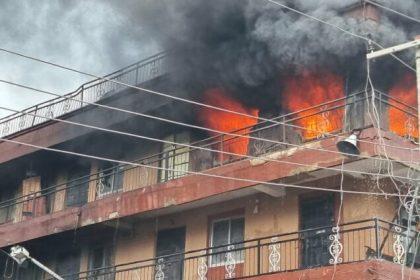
(391,50)
(398,48)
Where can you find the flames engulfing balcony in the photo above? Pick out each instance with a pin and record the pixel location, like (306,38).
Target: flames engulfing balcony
(317,247)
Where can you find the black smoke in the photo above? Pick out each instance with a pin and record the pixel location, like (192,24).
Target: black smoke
(241,45)
(244,45)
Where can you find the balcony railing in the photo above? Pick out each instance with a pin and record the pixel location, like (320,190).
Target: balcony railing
(323,246)
(333,117)
(92,91)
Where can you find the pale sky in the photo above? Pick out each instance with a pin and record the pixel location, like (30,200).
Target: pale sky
(88,35)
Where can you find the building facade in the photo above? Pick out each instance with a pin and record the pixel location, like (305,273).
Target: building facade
(274,200)
(88,218)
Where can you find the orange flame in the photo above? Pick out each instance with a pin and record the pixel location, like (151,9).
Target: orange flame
(311,89)
(400,122)
(227,122)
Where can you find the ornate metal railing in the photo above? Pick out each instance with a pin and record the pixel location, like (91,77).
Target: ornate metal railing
(92,91)
(346,113)
(316,247)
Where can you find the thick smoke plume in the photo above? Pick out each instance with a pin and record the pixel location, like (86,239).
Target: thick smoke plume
(246,45)
(241,45)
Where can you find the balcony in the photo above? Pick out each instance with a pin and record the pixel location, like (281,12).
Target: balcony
(357,242)
(90,92)
(323,122)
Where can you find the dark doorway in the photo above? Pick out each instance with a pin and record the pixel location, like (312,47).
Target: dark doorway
(171,242)
(316,220)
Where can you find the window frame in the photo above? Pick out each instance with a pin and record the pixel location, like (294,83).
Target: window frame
(77,191)
(63,258)
(171,157)
(8,212)
(211,240)
(106,270)
(114,169)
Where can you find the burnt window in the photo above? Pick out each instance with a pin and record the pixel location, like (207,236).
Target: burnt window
(7,205)
(110,179)
(77,186)
(227,234)
(100,263)
(174,158)
(48,180)
(68,264)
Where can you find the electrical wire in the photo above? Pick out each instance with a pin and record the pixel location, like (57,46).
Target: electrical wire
(188,145)
(178,98)
(408,207)
(166,95)
(246,136)
(188,100)
(148,91)
(184,99)
(173,143)
(225,133)
(118,132)
(284,185)
(375,118)
(245,180)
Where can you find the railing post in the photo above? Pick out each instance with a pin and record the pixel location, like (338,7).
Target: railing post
(35,112)
(259,257)
(378,253)
(82,96)
(33,206)
(137,75)
(221,149)
(284,131)
(381,118)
